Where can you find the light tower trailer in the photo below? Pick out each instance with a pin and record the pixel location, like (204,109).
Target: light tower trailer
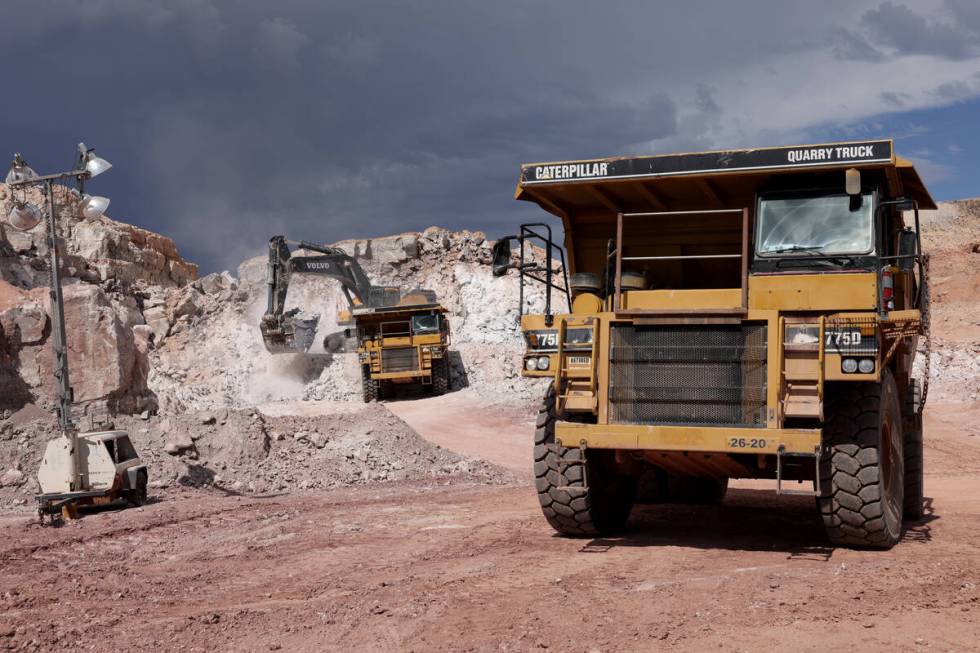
(95,467)
(738,314)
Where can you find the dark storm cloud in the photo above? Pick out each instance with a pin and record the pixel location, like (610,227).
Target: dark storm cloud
(954,35)
(231,121)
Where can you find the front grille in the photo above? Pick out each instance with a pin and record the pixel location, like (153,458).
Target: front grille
(706,374)
(403,359)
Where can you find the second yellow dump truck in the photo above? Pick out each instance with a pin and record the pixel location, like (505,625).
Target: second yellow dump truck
(403,344)
(402,338)
(736,314)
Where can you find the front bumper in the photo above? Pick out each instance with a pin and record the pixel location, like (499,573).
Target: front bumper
(710,439)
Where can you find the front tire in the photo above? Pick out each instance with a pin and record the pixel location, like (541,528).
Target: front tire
(440,377)
(369,387)
(862,470)
(569,506)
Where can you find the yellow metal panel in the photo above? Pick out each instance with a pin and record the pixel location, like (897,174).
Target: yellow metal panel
(586,303)
(687,438)
(814,292)
(401,375)
(727,298)
(801,367)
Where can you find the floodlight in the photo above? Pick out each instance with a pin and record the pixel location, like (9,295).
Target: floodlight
(94,206)
(24,216)
(20,171)
(95,165)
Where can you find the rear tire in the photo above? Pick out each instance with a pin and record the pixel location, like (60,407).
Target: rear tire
(569,506)
(862,470)
(912,448)
(440,377)
(369,388)
(137,496)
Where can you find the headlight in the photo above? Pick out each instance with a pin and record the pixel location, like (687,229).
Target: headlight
(578,338)
(866,365)
(849,365)
(544,362)
(531,364)
(802,334)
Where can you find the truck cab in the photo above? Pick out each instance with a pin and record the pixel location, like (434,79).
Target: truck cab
(725,315)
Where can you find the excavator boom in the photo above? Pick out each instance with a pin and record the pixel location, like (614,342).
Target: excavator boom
(293,331)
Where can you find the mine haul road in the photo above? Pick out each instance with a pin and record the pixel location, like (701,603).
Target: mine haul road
(465,567)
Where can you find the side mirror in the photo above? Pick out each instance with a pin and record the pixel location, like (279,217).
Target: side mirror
(907,248)
(852,181)
(502,256)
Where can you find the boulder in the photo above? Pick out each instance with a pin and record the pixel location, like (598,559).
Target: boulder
(101,350)
(252,273)
(11,478)
(188,303)
(24,323)
(177,437)
(158,322)
(216,283)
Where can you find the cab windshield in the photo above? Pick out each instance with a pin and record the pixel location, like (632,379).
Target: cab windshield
(815,224)
(425,323)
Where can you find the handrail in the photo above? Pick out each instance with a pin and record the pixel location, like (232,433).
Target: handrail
(524,268)
(560,356)
(673,258)
(744,255)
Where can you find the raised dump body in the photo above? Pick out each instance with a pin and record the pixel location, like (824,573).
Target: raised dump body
(737,314)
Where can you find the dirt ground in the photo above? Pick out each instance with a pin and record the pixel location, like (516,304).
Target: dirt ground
(441,565)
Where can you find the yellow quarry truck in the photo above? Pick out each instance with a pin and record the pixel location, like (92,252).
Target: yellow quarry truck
(736,314)
(403,344)
(402,338)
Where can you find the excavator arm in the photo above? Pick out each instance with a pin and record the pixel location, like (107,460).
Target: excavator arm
(291,331)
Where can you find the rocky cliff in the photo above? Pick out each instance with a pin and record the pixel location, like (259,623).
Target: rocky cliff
(113,274)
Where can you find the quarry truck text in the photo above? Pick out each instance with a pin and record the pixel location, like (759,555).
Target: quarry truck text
(737,314)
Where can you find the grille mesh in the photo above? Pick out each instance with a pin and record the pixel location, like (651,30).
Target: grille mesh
(403,359)
(696,375)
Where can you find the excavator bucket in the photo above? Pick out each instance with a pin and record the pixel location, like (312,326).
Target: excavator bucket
(292,334)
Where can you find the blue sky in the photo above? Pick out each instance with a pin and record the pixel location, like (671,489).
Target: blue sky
(229,121)
(943,142)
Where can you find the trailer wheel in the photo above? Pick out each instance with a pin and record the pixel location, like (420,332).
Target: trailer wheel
(912,448)
(862,470)
(569,506)
(440,377)
(137,496)
(369,387)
